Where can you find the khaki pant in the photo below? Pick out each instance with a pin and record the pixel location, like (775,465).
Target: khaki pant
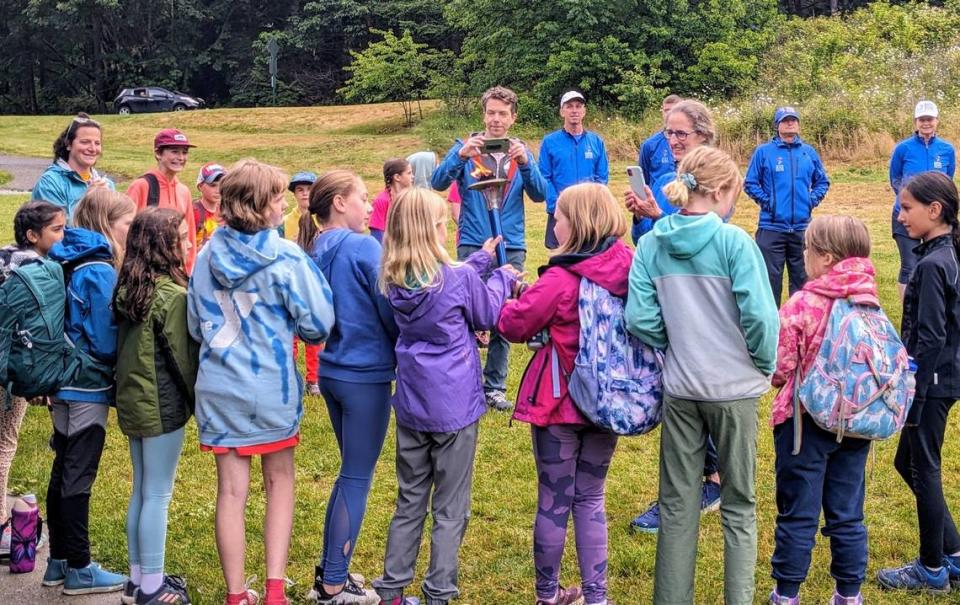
(683,443)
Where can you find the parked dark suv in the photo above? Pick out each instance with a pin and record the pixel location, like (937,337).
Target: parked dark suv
(153,98)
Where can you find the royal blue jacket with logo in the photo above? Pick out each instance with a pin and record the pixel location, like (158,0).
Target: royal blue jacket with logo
(656,158)
(474,220)
(788,181)
(912,156)
(566,160)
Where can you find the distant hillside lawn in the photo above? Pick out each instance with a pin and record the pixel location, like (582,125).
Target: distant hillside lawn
(497,564)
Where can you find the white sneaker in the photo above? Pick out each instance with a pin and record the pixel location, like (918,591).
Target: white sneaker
(5,540)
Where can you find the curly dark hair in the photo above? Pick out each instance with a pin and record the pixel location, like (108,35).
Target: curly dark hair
(153,250)
(61,147)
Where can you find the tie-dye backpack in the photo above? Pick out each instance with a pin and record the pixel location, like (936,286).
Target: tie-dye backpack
(859,383)
(616,379)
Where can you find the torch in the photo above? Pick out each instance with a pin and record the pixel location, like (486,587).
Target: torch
(492,187)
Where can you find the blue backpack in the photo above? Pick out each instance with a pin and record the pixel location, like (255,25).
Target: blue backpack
(617,379)
(859,385)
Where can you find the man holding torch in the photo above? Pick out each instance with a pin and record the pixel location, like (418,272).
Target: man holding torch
(506,162)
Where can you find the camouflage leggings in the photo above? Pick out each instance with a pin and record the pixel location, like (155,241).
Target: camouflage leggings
(572,463)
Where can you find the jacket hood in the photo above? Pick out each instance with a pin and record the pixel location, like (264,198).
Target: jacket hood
(235,256)
(683,236)
(326,247)
(81,244)
(608,266)
(413,304)
(62,168)
(797,141)
(850,278)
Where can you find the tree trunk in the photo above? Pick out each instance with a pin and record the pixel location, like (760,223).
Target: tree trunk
(97,59)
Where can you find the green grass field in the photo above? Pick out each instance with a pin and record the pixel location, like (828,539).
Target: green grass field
(496,560)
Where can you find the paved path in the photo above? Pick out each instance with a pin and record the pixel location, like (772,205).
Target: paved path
(25,589)
(25,171)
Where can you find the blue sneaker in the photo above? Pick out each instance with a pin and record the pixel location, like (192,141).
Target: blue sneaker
(915,577)
(710,498)
(649,521)
(56,572)
(91,579)
(776,599)
(952,564)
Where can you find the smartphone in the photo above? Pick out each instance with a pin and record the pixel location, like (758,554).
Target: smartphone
(495,146)
(637,182)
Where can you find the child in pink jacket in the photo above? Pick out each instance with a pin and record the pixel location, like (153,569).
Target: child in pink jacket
(824,474)
(572,455)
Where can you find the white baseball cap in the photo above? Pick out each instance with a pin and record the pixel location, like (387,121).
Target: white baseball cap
(926,109)
(570,96)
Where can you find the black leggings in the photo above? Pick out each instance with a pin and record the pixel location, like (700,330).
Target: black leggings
(918,462)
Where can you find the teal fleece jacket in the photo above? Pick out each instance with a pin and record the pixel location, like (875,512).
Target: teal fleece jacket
(699,290)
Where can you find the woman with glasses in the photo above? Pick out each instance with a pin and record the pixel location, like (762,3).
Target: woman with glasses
(72,174)
(688,125)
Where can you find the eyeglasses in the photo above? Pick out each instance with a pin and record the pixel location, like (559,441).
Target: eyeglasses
(680,134)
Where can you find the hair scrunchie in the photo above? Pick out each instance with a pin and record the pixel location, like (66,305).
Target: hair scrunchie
(689,180)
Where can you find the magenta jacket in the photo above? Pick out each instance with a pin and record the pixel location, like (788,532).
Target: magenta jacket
(552,303)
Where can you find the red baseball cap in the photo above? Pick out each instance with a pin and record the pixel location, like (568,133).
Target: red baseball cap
(171,137)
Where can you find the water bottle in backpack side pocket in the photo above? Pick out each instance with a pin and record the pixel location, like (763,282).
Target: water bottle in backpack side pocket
(25,534)
(911,378)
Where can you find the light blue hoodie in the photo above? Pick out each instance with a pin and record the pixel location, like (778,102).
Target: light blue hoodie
(248,296)
(698,289)
(61,185)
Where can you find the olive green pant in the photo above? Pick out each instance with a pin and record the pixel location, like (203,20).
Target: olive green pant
(683,443)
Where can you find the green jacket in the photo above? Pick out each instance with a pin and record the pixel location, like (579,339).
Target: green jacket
(156,365)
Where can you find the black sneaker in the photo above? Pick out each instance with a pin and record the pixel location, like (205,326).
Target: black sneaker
(173,591)
(352,593)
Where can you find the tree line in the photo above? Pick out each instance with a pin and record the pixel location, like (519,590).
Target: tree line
(69,55)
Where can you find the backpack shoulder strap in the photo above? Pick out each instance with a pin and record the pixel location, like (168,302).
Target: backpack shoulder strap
(153,191)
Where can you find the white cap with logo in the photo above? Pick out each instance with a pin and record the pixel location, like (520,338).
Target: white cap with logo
(926,109)
(570,96)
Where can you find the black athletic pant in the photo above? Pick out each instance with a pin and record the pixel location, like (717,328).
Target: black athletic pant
(78,438)
(781,248)
(918,462)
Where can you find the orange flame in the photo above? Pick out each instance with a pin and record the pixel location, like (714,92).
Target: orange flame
(480,172)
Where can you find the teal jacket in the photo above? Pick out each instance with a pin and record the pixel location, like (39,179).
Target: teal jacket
(699,290)
(61,185)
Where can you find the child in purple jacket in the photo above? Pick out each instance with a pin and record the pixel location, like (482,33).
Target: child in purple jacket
(438,401)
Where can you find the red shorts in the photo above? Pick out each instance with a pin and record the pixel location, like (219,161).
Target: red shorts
(260,449)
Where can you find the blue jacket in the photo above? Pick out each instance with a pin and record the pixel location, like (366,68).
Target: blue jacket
(249,295)
(61,185)
(567,160)
(360,346)
(787,181)
(912,156)
(89,321)
(644,225)
(655,158)
(474,221)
